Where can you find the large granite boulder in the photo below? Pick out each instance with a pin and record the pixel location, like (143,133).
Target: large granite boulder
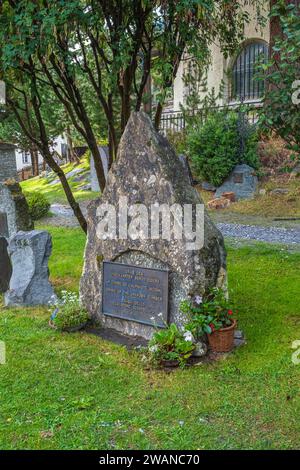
(29,284)
(147,171)
(242,181)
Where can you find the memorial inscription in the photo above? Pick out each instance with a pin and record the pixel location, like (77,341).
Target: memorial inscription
(135,293)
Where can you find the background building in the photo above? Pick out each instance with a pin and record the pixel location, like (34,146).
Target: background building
(234,75)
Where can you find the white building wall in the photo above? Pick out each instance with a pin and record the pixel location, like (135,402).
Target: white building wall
(24,161)
(219,68)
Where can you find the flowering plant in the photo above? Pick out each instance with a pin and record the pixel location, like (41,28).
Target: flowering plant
(208,314)
(171,344)
(69,312)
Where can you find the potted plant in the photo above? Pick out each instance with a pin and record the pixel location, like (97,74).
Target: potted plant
(69,315)
(212,316)
(171,347)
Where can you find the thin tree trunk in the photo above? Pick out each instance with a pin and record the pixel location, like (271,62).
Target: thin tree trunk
(68,192)
(158,114)
(34,161)
(71,152)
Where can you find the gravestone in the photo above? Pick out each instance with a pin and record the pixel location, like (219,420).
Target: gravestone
(3,225)
(8,163)
(29,254)
(5,266)
(242,181)
(14,208)
(133,284)
(104,158)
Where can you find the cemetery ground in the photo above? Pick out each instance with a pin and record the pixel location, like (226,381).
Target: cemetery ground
(259,211)
(78,391)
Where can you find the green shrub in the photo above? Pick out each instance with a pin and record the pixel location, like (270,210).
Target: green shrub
(170,344)
(214,148)
(38,205)
(178,140)
(69,313)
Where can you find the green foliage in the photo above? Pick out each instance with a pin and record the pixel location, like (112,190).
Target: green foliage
(214,147)
(38,205)
(177,140)
(280,113)
(207,314)
(170,344)
(69,312)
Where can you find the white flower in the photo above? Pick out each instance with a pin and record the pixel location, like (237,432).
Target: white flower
(153,348)
(188,336)
(198,299)
(152,318)
(160,314)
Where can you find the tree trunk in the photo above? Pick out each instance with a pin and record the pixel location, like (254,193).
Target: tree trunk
(71,152)
(68,192)
(125,95)
(34,161)
(158,114)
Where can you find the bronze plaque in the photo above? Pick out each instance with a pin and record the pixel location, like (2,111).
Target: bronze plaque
(238,177)
(3,225)
(135,293)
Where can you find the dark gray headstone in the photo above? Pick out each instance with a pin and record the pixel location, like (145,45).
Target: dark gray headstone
(5,266)
(242,182)
(148,171)
(3,225)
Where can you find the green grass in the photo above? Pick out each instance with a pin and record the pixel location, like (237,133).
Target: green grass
(55,193)
(67,391)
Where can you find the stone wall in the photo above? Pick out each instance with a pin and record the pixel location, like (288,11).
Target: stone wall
(8,165)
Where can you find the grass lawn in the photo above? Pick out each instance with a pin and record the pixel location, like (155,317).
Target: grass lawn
(55,192)
(67,391)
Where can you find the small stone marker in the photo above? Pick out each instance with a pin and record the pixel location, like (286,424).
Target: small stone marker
(242,182)
(29,284)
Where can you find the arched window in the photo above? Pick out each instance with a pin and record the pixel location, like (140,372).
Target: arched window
(244,86)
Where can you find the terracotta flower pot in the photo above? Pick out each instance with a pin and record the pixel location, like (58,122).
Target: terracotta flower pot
(222,340)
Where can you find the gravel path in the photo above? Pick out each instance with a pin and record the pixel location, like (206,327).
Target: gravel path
(264,234)
(63,216)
